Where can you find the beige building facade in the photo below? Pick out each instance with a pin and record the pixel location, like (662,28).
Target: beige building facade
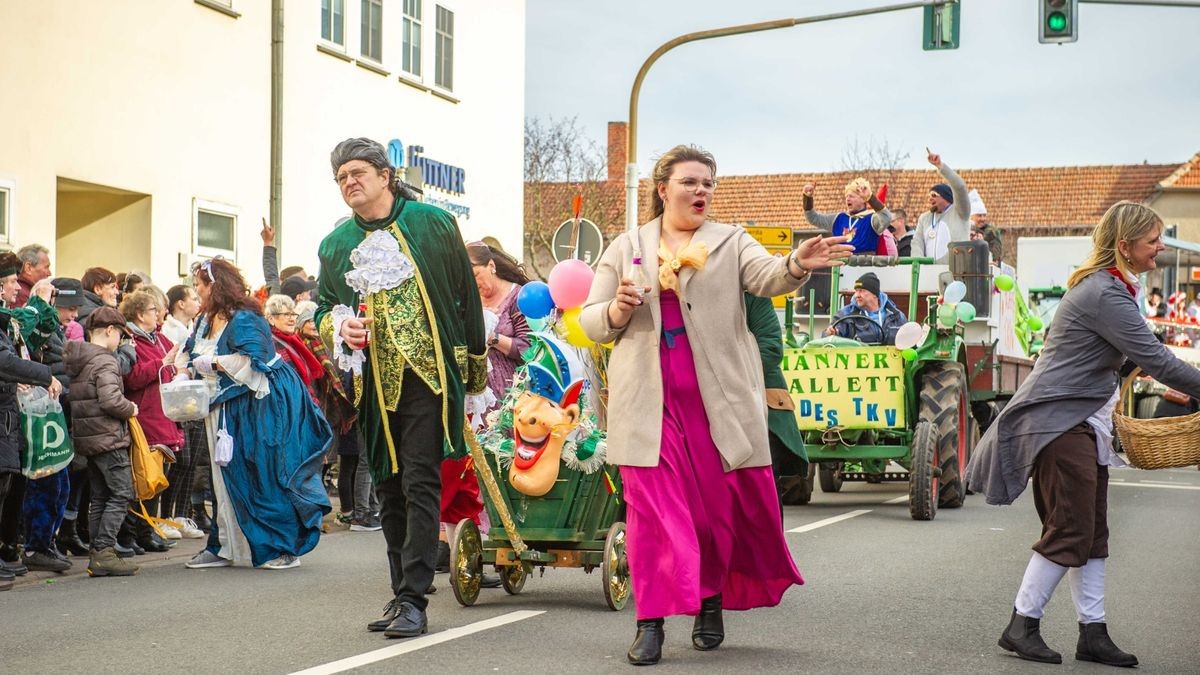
(136,135)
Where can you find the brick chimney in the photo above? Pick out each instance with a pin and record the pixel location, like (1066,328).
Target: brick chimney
(618,133)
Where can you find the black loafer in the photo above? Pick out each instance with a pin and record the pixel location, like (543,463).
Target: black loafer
(646,649)
(490,581)
(409,622)
(709,631)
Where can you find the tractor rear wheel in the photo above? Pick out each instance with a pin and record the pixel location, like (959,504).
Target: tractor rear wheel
(830,475)
(923,478)
(944,402)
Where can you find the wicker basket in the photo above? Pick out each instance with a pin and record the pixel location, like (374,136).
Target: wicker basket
(1163,443)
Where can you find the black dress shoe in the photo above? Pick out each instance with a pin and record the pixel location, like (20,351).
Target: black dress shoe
(1024,636)
(490,581)
(646,649)
(409,622)
(153,545)
(389,615)
(709,631)
(1095,645)
(68,541)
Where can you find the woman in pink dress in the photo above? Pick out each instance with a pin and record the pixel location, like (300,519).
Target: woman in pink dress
(704,527)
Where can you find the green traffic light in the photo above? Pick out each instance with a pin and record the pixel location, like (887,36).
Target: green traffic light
(1057,22)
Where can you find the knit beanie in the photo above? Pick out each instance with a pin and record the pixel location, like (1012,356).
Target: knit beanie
(868,282)
(944,192)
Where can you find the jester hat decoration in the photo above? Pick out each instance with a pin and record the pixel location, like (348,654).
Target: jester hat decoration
(545,414)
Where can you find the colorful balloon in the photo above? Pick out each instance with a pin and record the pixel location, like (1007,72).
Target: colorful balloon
(570,281)
(535,301)
(1004,282)
(909,354)
(573,332)
(1034,323)
(910,334)
(535,325)
(965,312)
(954,292)
(947,315)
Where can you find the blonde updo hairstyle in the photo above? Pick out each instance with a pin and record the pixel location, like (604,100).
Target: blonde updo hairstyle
(1124,221)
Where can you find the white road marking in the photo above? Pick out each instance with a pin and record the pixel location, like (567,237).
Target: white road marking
(1162,482)
(1158,485)
(898,500)
(828,521)
(413,644)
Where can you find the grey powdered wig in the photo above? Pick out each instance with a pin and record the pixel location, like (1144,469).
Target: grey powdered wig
(365,149)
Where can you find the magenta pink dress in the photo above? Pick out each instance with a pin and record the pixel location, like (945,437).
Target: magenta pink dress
(695,530)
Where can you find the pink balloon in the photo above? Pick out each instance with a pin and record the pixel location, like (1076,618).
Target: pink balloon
(570,281)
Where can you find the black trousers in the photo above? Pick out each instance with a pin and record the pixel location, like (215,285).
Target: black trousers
(411,499)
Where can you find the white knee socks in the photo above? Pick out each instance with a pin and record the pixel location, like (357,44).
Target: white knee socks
(1041,577)
(1087,590)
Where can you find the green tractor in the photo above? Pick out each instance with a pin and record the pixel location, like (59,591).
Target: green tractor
(862,406)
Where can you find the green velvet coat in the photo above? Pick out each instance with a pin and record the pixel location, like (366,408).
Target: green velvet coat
(763,322)
(431,238)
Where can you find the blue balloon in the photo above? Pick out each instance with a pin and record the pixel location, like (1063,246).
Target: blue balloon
(534,300)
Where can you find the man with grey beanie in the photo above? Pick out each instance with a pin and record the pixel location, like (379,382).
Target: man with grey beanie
(399,307)
(948,217)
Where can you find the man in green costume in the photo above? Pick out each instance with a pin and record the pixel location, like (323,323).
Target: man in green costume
(399,307)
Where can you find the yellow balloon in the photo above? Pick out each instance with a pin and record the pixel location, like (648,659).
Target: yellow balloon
(574,332)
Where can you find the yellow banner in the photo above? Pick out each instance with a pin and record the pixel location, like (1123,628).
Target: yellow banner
(849,387)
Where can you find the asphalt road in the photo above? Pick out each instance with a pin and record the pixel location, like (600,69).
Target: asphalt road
(884,594)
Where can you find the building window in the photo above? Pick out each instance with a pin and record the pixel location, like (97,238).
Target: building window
(333,15)
(5,210)
(215,231)
(412,37)
(443,58)
(372,30)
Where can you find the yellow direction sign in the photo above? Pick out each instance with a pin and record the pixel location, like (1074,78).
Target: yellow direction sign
(778,242)
(772,237)
(850,388)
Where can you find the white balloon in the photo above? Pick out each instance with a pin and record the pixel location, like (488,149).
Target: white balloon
(910,335)
(955,292)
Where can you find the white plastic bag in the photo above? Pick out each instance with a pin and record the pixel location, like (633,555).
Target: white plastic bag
(223,452)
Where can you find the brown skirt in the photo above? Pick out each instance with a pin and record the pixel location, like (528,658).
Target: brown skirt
(1070,491)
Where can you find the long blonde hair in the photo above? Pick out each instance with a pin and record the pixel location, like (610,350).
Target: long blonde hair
(666,163)
(1124,221)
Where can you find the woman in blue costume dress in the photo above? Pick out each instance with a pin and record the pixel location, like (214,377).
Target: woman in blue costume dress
(270,501)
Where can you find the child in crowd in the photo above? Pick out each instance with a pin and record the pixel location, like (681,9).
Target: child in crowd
(100,431)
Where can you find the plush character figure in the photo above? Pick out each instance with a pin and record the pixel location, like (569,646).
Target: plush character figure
(544,415)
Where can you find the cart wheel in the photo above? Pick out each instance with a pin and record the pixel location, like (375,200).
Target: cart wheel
(513,578)
(466,562)
(617,587)
(923,477)
(830,475)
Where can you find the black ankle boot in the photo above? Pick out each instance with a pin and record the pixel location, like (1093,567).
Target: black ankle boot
(646,649)
(1024,636)
(1095,645)
(709,631)
(68,540)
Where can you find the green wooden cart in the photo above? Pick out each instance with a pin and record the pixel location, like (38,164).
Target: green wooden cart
(576,524)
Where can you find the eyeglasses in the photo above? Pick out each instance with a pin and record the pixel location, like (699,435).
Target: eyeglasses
(694,185)
(356,174)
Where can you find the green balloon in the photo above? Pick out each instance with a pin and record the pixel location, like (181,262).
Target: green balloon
(909,354)
(947,314)
(1035,323)
(1004,282)
(966,312)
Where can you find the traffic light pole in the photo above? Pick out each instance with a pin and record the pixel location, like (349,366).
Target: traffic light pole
(631,172)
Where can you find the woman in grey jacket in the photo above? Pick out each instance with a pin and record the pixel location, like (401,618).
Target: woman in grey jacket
(1058,428)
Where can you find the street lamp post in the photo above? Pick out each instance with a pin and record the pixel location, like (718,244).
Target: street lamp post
(631,171)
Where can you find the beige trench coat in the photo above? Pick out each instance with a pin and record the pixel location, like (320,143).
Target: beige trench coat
(714,315)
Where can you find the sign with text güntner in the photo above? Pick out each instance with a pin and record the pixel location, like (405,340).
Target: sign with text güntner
(778,242)
(851,388)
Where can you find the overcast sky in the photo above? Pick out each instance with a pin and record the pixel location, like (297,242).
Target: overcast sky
(792,99)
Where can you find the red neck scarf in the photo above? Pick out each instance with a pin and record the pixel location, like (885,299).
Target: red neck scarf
(1117,273)
(307,365)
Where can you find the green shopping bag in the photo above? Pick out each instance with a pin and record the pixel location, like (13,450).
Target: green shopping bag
(47,448)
